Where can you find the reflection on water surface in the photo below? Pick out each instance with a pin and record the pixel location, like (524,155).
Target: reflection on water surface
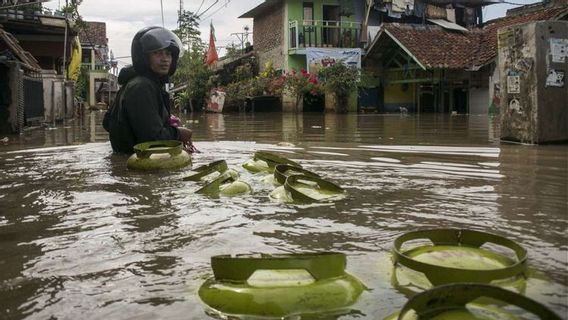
(82,237)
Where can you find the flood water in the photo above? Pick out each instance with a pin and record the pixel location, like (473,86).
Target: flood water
(82,237)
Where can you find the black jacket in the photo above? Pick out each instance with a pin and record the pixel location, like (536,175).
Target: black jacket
(140,113)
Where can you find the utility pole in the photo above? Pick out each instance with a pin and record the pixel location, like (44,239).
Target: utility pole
(64,64)
(242,36)
(180,13)
(162,9)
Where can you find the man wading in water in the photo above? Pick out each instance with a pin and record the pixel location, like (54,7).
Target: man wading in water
(141,111)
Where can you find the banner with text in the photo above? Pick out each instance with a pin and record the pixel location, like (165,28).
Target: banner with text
(318,58)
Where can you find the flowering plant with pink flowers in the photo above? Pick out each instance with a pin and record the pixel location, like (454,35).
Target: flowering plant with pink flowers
(301,84)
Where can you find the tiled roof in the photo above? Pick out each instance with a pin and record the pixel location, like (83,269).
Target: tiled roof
(94,34)
(488,47)
(435,47)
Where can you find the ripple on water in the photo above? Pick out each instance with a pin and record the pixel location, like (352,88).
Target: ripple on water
(88,238)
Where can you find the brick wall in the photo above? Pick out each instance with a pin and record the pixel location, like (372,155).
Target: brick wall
(268,36)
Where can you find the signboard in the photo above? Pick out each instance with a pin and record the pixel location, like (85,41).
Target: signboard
(318,58)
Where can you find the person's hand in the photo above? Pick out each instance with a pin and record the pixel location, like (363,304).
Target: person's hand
(174,121)
(185,135)
(189,147)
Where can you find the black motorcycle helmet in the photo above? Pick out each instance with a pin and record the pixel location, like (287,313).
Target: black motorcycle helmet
(152,39)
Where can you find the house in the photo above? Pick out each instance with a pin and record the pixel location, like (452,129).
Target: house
(442,68)
(285,30)
(95,64)
(296,35)
(48,97)
(426,55)
(291,33)
(17,67)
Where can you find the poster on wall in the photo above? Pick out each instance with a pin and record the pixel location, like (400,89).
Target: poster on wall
(513,84)
(555,78)
(558,49)
(318,58)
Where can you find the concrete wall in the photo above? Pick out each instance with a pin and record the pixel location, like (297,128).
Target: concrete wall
(94,75)
(494,91)
(534,104)
(289,103)
(395,97)
(54,109)
(16,107)
(478,100)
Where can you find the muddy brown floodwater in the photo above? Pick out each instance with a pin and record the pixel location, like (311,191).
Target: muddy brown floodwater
(81,237)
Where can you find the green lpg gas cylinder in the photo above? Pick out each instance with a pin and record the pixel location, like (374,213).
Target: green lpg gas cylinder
(205,171)
(158,155)
(460,255)
(472,301)
(301,188)
(280,285)
(264,161)
(226,184)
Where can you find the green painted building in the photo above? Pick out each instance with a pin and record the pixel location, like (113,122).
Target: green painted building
(283,29)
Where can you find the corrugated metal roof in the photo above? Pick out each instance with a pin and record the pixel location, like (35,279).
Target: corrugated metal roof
(24,57)
(447,24)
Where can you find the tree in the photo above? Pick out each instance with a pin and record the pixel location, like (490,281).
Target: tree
(188,28)
(192,71)
(232,51)
(71,9)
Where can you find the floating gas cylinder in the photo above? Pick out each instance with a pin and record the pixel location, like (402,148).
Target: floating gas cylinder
(442,256)
(283,171)
(264,161)
(303,188)
(471,301)
(280,285)
(158,155)
(204,171)
(226,184)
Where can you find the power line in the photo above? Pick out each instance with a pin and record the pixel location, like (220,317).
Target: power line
(202,13)
(214,12)
(202,2)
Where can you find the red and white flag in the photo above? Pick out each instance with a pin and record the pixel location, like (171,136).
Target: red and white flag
(211,56)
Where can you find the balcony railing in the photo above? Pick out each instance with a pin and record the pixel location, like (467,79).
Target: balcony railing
(324,33)
(97,66)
